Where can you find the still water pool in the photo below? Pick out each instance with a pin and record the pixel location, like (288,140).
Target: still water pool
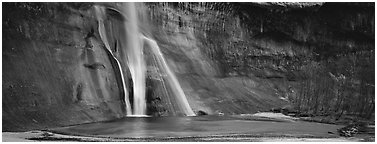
(200,126)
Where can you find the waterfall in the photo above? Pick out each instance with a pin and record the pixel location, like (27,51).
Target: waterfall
(170,77)
(131,50)
(135,59)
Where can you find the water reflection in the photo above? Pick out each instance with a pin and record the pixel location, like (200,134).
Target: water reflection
(144,127)
(140,125)
(150,126)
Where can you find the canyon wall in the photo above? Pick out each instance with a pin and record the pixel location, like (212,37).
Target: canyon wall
(248,57)
(229,58)
(55,69)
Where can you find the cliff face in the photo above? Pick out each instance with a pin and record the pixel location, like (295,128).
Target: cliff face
(56,71)
(229,58)
(197,41)
(245,57)
(270,40)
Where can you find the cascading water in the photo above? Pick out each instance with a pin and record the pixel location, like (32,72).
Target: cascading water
(131,49)
(135,59)
(170,77)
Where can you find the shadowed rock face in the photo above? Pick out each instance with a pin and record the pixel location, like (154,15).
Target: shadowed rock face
(56,71)
(229,58)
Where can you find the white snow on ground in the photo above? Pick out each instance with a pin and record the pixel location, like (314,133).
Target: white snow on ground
(275,115)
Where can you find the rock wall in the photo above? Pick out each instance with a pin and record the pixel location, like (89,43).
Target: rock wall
(248,57)
(230,58)
(266,40)
(197,41)
(56,71)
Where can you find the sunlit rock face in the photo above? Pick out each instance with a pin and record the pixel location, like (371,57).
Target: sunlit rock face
(248,57)
(198,40)
(229,58)
(267,39)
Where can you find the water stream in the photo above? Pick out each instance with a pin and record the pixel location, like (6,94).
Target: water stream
(170,77)
(132,45)
(135,56)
